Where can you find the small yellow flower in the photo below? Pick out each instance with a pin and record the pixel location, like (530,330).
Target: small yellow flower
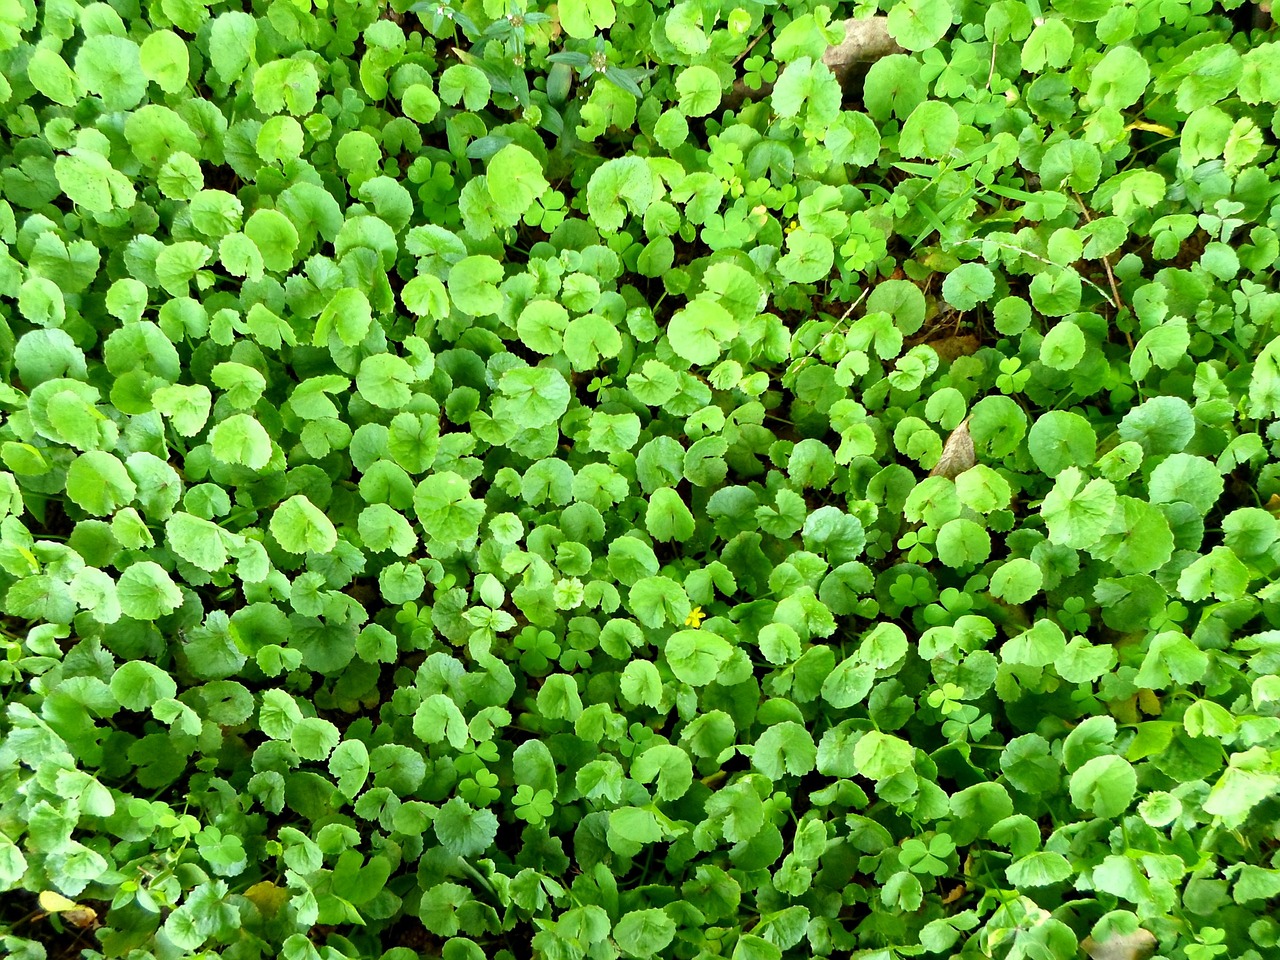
(695,618)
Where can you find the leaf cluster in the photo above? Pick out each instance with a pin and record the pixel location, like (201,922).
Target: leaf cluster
(470,475)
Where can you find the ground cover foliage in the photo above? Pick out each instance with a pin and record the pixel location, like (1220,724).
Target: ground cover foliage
(587,481)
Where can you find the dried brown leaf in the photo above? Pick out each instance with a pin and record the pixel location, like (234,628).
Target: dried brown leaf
(958,454)
(1138,945)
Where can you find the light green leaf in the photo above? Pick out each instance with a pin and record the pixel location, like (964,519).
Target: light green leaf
(138,685)
(880,756)
(643,933)
(1104,786)
(197,541)
(444,505)
(384,380)
(700,329)
(146,592)
(242,440)
(1076,513)
(165,60)
(111,67)
(515,181)
(299,526)
(919,24)
(99,483)
(699,89)
(187,407)
(667,517)
(696,656)
(531,397)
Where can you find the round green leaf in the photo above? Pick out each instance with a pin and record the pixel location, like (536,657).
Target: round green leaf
(643,933)
(1059,439)
(969,285)
(879,756)
(165,60)
(444,505)
(111,67)
(300,527)
(240,439)
(696,656)
(138,685)
(146,592)
(920,24)
(1104,786)
(196,541)
(99,483)
(1017,581)
(699,89)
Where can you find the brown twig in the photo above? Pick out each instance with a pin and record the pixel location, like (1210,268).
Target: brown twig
(751,46)
(1106,264)
(853,306)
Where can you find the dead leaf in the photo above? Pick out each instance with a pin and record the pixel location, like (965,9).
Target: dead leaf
(82,917)
(267,897)
(1152,128)
(1149,703)
(53,902)
(1126,711)
(948,348)
(1138,945)
(958,454)
(74,913)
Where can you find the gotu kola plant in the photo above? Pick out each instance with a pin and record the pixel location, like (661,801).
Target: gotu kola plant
(478,482)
